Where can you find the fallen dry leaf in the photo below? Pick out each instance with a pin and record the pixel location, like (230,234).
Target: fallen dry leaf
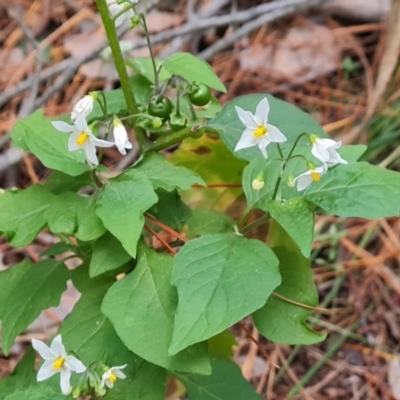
(306,51)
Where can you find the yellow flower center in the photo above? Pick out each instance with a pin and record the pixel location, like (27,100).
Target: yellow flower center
(112,377)
(315,176)
(82,138)
(58,363)
(260,131)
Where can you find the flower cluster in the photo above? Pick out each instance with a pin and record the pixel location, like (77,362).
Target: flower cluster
(259,133)
(56,360)
(81,136)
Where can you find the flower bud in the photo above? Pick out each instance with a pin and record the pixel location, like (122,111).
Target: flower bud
(258,183)
(290,181)
(84,105)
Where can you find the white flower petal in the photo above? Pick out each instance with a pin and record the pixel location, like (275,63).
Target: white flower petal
(246,140)
(262,111)
(81,124)
(65,377)
(335,158)
(42,349)
(303,181)
(119,374)
(90,151)
(247,118)
(46,371)
(275,135)
(128,145)
(320,151)
(74,364)
(83,106)
(101,143)
(72,141)
(109,384)
(262,145)
(63,126)
(57,347)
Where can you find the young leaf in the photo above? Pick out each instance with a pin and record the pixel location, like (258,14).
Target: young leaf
(73,214)
(220,279)
(269,170)
(108,254)
(290,120)
(51,146)
(23,376)
(208,221)
(193,69)
(123,201)
(357,190)
(25,290)
(144,67)
(144,302)
(22,213)
(279,320)
(165,175)
(297,218)
(225,383)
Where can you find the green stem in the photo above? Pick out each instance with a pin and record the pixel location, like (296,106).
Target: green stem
(168,140)
(103,107)
(192,110)
(255,224)
(295,143)
(113,41)
(153,60)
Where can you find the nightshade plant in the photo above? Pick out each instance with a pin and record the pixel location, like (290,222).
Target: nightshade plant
(163,271)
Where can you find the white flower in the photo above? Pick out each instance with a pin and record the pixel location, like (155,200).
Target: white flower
(111,375)
(325,150)
(81,137)
(121,137)
(83,106)
(116,8)
(57,361)
(258,131)
(312,175)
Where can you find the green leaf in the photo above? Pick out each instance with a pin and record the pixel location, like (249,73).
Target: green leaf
(144,67)
(25,290)
(297,218)
(37,392)
(357,190)
(123,201)
(22,213)
(144,302)
(222,344)
(58,182)
(353,152)
(56,249)
(170,209)
(75,215)
(269,171)
(23,376)
(92,337)
(193,69)
(86,330)
(211,159)
(220,279)
(115,105)
(142,89)
(225,383)
(50,146)
(165,175)
(289,119)
(208,221)
(108,254)
(145,381)
(279,320)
